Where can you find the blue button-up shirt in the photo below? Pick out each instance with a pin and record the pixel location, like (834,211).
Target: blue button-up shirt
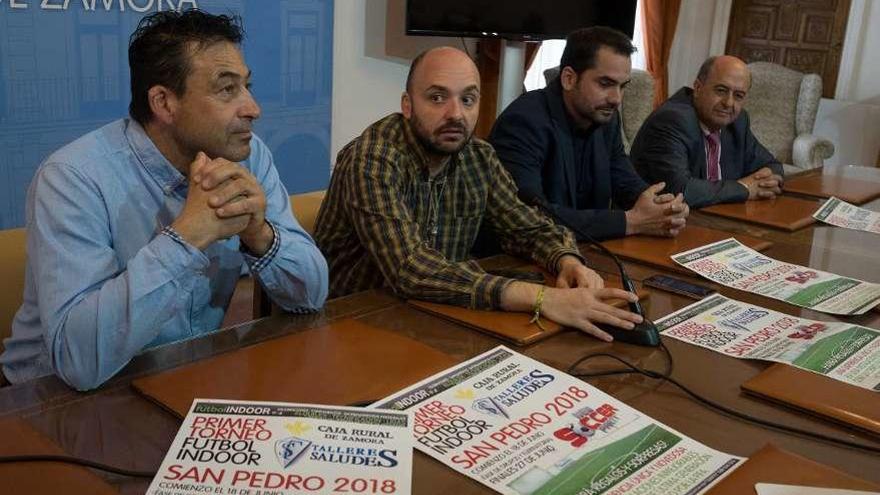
(103,283)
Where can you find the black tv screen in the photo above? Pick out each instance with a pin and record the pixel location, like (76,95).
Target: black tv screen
(516,19)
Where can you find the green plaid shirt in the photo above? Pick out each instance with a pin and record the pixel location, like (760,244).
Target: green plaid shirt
(386,222)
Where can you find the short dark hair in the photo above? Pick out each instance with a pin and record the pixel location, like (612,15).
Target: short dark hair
(706,68)
(160,47)
(581,47)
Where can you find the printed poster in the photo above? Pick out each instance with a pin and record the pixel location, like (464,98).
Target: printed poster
(248,448)
(734,265)
(842,351)
(521,427)
(842,214)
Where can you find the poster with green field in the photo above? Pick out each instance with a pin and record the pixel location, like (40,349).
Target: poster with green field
(523,428)
(842,351)
(734,265)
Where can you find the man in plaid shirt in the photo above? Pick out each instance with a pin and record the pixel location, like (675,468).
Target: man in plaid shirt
(407,198)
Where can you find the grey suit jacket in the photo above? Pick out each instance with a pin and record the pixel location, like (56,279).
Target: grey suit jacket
(670,147)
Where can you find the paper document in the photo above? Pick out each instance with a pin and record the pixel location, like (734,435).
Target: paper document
(842,351)
(234,448)
(730,263)
(521,427)
(842,214)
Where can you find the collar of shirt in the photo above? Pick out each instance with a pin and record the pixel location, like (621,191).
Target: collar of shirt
(705,129)
(159,168)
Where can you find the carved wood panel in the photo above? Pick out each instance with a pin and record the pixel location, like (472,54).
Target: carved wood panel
(804,35)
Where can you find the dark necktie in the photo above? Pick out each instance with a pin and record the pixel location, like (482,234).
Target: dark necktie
(713,156)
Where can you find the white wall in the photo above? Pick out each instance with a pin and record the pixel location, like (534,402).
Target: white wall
(365,88)
(853,127)
(864,84)
(852,120)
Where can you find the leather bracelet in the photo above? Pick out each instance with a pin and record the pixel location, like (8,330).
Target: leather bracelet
(536,315)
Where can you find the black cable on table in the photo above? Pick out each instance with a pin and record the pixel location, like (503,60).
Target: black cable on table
(104,467)
(77,461)
(631,369)
(666,376)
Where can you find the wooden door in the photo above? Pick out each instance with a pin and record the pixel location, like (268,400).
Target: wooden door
(804,35)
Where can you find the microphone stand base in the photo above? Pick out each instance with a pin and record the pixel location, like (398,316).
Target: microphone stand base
(644,334)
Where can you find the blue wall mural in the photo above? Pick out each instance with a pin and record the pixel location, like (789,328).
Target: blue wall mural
(64,72)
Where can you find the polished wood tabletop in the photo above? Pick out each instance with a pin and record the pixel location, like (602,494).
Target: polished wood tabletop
(817,234)
(116,425)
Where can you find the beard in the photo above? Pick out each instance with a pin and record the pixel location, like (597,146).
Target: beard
(587,110)
(585,119)
(432,141)
(597,115)
(603,115)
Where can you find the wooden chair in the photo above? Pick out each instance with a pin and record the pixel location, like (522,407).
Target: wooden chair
(12,263)
(305,208)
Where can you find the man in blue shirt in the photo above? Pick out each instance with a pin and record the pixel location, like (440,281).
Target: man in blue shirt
(139,231)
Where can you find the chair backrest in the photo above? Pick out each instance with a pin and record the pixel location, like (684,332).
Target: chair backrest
(305,208)
(249,301)
(782,104)
(12,263)
(637,104)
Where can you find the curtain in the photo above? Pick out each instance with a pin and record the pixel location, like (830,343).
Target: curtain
(660,18)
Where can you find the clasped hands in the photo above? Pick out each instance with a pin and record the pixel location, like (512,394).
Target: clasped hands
(657,214)
(762,184)
(224,199)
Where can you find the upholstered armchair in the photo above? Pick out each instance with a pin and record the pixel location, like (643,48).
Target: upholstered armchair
(637,104)
(782,106)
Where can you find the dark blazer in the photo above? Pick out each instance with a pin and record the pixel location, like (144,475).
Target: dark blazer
(670,147)
(535,142)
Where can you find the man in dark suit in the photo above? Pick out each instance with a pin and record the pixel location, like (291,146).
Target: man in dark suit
(700,144)
(563,145)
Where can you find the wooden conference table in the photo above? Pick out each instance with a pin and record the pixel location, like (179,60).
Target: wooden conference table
(118,426)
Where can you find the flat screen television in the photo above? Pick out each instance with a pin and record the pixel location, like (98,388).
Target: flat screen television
(516,19)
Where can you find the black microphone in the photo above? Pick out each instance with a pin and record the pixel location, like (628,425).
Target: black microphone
(644,333)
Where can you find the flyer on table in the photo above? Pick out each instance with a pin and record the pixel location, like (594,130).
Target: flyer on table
(842,351)
(730,263)
(236,448)
(521,427)
(842,214)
